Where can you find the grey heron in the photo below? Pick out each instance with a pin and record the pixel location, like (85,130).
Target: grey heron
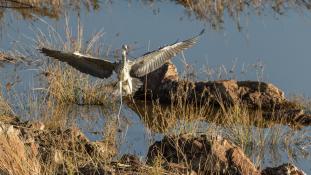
(128,71)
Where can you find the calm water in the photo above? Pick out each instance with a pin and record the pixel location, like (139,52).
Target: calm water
(281,44)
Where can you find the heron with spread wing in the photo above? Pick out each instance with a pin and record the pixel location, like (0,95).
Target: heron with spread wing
(128,71)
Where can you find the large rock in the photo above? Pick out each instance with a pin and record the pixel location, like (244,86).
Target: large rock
(164,81)
(188,154)
(285,169)
(202,155)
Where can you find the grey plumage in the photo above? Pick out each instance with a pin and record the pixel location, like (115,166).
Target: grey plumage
(133,69)
(155,59)
(86,64)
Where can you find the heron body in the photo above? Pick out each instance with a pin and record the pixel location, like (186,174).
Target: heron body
(125,78)
(123,71)
(128,72)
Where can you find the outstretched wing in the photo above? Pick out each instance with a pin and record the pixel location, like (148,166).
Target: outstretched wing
(84,63)
(155,59)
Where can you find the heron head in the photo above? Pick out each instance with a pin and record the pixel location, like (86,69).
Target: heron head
(124,47)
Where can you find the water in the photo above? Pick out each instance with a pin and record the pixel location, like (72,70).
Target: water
(279,43)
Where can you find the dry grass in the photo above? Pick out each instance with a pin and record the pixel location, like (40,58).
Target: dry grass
(68,86)
(6,111)
(302,101)
(16,157)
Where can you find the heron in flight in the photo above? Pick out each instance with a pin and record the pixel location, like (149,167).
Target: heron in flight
(128,71)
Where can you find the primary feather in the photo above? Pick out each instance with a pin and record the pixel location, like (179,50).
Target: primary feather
(155,59)
(84,63)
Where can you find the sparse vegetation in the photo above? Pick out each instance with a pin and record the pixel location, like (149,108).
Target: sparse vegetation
(214,11)
(57,146)
(210,11)
(50,8)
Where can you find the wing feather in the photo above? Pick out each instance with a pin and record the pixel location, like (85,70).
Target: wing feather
(86,64)
(155,59)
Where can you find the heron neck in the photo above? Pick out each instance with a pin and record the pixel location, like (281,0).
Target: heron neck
(123,57)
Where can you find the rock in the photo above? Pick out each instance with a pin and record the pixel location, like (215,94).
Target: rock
(130,160)
(129,164)
(188,154)
(50,151)
(285,169)
(161,82)
(238,159)
(158,78)
(202,155)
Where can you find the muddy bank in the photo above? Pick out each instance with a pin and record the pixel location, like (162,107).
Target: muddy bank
(30,148)
(164,85)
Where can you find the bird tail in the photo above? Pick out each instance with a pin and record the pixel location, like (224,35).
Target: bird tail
(136,84)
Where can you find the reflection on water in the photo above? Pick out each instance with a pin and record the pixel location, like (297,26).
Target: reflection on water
(213,11)
(44,8)
(128,22)
(207,10)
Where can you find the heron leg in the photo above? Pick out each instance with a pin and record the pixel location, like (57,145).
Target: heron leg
(129,81)
(120,86)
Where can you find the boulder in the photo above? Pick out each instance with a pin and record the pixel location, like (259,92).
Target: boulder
(284,169)
(189,154)
(203,155)
(160,84)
